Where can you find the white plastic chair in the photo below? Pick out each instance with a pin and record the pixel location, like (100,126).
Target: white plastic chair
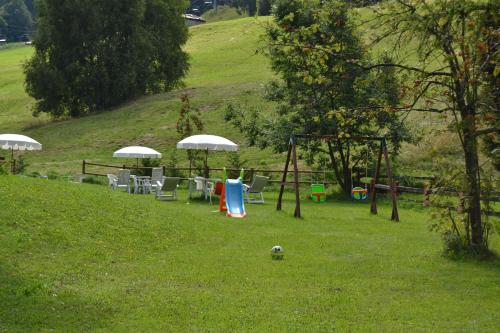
(123,179)
(156,176)
(112,181)
(201,185)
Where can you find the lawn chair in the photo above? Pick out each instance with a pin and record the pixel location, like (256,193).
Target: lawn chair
(156,176)
(202,185)
(215,189)
(112,181)
(167,190)
(123,179)
(254,192)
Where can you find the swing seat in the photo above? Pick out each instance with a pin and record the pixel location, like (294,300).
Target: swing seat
(318,193)
(359,193)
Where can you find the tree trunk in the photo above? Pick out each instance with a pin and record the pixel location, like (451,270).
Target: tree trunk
(473,183)
(343,176)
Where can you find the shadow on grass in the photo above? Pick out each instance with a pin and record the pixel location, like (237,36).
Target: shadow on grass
(27,304)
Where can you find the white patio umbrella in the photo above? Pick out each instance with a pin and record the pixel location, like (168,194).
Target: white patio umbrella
(207,142)
(18,142)
(137,152)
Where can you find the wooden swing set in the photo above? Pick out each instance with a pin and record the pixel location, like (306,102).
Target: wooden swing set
(292,155)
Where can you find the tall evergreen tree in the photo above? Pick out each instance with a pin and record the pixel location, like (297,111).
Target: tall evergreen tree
(92,55)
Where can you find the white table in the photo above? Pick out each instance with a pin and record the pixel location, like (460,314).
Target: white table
(142,184)
(207,185)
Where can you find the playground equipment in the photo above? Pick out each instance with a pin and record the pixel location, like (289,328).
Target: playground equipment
(357,192)
(231,196)
(318,193)
(292,156)
(234,198)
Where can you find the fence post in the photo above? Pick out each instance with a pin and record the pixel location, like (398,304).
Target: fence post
(426,202)
(83,167)
(163,169)
(252,173)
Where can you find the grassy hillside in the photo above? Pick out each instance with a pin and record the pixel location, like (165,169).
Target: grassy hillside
(78,257)
(224,67)
(223,13)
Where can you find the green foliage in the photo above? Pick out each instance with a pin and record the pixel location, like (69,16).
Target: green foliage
(247,119)
(92,56)
(248,6)
(16,21)
(53,175)
(3,169)
(457,44)
(172,164)
(21,165)
(314,49)
(189,123)
(451,218)
(189,120)
(235,162)
(95,180)
(264,7)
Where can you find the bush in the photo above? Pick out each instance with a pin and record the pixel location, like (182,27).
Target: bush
(95,180)
(53,175)
(21,165)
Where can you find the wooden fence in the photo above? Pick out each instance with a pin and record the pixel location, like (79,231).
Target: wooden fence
(326,177)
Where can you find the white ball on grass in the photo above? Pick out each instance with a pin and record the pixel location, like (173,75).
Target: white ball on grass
(277,252)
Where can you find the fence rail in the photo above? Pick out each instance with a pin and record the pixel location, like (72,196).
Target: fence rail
(249,172)
(328,179)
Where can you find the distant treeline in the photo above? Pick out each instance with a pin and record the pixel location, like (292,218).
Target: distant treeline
(17,19)
(253,7)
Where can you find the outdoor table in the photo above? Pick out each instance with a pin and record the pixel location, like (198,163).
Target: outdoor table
(142,184)
(206,181)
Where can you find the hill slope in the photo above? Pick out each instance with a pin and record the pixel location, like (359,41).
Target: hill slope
(224,67)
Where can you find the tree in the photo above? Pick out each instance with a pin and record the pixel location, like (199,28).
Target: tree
(314,49)
(93,55)
(17,20)
(456,72)
(264,7)
(188,123)
(248,6)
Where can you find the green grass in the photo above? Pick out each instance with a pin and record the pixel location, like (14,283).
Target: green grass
(224,68)
(78,257)
(223,13)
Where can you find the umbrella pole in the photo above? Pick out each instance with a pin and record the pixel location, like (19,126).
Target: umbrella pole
(206,163)
(190,163)
(12,163)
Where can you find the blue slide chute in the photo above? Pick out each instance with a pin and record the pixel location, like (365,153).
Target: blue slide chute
(234,198)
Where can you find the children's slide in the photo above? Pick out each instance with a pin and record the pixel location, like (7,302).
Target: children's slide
(234,198)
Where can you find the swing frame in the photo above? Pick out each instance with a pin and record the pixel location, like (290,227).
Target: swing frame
(292,157)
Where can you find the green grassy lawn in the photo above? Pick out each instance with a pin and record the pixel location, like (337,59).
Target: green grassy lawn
(77,257)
